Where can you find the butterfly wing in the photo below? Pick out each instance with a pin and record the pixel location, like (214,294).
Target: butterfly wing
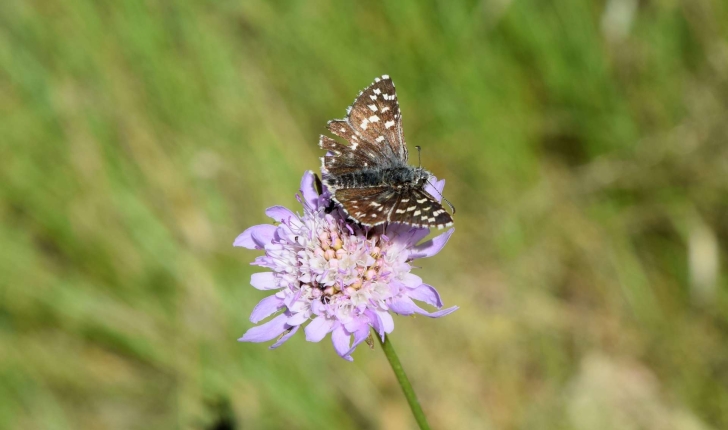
(377,205)
(341,159)
(369,206)
(373,126)
(418,208)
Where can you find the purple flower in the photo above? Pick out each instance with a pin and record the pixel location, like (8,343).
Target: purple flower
(337,274)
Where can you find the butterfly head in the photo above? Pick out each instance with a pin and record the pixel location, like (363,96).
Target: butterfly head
(420,177)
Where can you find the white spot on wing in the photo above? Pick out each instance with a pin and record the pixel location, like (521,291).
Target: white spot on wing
(377,91)
(380,139)
(417,213)
(385,76)
(388,124)
(384,109)
(373,108)
(373,118)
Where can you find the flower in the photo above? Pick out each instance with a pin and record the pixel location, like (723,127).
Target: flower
(332,271)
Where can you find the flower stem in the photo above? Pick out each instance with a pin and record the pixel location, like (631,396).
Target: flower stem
(409,393)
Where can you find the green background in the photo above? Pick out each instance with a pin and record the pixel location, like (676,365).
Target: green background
(584,145)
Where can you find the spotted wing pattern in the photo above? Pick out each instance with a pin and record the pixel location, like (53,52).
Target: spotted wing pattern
(374,206)
(370,206)
(341,159)
(373,127)
(418,208)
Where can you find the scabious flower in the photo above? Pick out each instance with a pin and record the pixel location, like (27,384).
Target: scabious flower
(340,276)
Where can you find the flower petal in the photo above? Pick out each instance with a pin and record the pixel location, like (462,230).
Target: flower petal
(341,340)
(264,281)
(255,237)
(267,331)
(411,280)
(285,337)
(265,261)
(428,294)
(438,314)
(308,190)
(405,306)
(431,247)
(402,306)
(435,189)
(417,234)
(298,319)
(265,308)
(318,308)
(360,335)
(386,322)
(374,321)
(280,213)
(397,230)
(318,329)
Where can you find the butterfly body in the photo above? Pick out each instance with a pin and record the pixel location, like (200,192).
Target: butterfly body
(400,178)
(370,177)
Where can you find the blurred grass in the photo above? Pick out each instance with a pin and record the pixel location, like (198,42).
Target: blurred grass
(584,145)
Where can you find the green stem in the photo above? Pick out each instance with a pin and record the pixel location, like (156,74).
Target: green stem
(409,393)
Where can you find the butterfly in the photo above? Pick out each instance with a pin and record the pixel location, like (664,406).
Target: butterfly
(370,177)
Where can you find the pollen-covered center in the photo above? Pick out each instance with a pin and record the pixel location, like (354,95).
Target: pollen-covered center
(345,267)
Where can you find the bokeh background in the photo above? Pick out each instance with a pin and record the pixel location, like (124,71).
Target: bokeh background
(584,145)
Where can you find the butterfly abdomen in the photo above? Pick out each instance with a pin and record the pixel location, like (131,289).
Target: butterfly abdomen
(405,177)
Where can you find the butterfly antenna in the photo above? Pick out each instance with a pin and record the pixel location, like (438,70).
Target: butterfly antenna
(419,159)
(449,204)
(443,197)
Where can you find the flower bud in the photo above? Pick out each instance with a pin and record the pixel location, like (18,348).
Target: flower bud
(325,241)
(357,284)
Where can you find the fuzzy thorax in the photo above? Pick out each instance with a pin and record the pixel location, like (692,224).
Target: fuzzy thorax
(395,177)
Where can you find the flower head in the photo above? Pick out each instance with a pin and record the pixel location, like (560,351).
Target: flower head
(332,271)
